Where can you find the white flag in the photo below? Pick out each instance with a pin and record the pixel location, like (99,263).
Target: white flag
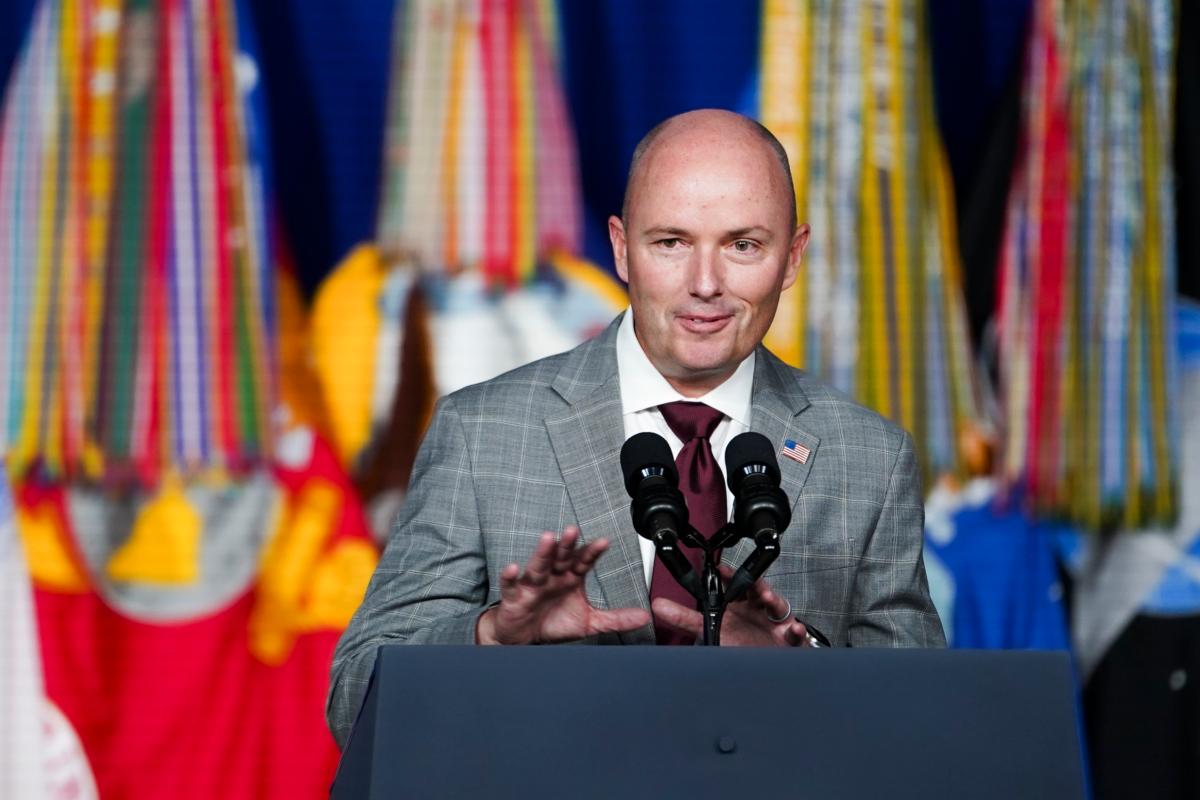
(22,751)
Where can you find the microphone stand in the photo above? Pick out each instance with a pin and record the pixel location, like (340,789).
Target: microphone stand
(711,596)
(712,604)
(710,599)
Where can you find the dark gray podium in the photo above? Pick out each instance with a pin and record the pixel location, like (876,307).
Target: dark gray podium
(629,722)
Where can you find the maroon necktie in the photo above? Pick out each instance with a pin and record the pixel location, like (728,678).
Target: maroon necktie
(703,488)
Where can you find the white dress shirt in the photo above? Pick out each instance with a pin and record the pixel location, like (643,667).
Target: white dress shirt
(644,389)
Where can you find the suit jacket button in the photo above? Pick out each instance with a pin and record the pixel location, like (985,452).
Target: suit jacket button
(726,744)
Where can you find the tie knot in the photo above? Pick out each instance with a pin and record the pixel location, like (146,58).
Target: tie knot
(691,420)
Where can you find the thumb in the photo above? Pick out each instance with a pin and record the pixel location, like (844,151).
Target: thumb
(616,620)
(681,618)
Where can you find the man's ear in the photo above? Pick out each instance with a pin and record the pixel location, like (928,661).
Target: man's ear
(616,235)
(796,254)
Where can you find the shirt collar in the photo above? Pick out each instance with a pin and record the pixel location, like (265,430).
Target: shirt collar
(643,386)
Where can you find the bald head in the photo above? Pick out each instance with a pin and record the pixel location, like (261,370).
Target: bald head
(707,123)
(707,243)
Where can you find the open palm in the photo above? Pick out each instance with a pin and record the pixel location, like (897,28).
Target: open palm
(547,602)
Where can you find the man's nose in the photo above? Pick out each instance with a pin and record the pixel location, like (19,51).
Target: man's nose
(706,273)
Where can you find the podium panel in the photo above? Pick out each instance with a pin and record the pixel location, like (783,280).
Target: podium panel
(625,722)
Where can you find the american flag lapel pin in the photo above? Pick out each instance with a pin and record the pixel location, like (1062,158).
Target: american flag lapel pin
(795,451)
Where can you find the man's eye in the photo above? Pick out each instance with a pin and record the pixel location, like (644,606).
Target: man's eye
(668,244)
(744,246)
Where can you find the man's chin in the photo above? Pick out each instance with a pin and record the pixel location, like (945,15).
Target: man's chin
(707,355)
(711,365)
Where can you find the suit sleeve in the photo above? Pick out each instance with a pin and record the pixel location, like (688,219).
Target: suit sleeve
(892,607)
(431,584)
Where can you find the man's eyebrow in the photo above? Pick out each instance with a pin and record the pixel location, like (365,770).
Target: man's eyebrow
(758,230)
(663,230)
(761,231)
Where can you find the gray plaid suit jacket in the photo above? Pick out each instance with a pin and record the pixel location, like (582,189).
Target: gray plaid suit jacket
(538,449)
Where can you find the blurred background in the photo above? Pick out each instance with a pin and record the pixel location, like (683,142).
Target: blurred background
(245,244)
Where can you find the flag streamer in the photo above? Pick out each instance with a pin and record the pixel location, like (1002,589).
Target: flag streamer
(138,329)
(878,312)
(1087,272)
(480,167)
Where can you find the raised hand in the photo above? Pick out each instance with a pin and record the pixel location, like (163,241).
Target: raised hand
(748,621)
(546,601)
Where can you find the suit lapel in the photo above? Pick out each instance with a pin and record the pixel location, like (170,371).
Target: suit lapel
(587,438)
(776,404)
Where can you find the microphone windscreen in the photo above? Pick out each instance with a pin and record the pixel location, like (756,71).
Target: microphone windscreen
(748,449)
(644,450)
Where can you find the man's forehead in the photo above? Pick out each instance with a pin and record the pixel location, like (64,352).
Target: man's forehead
(728,168)
(708,161)
(679,188)
(710,147)
(697,148)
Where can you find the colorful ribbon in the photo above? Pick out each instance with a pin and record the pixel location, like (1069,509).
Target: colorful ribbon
(847,88)
(480,164)
(138,325)
(1087,272)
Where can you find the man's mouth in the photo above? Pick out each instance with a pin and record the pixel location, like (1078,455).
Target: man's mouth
(703,323)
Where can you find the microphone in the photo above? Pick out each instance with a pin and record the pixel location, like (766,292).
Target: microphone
(760,508)
(659,511)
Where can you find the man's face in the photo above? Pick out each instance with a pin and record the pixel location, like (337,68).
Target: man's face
(707,248)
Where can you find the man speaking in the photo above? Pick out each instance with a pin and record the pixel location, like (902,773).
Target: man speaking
(707,241)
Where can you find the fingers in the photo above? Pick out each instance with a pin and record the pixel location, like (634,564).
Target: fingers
(564,552)
(617,620)
(558,556)
(796,635)
(541,563)
(509,582)
(588,556)
(566,557)
(681,618)
(552,558)
(761,596)
(774,606)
